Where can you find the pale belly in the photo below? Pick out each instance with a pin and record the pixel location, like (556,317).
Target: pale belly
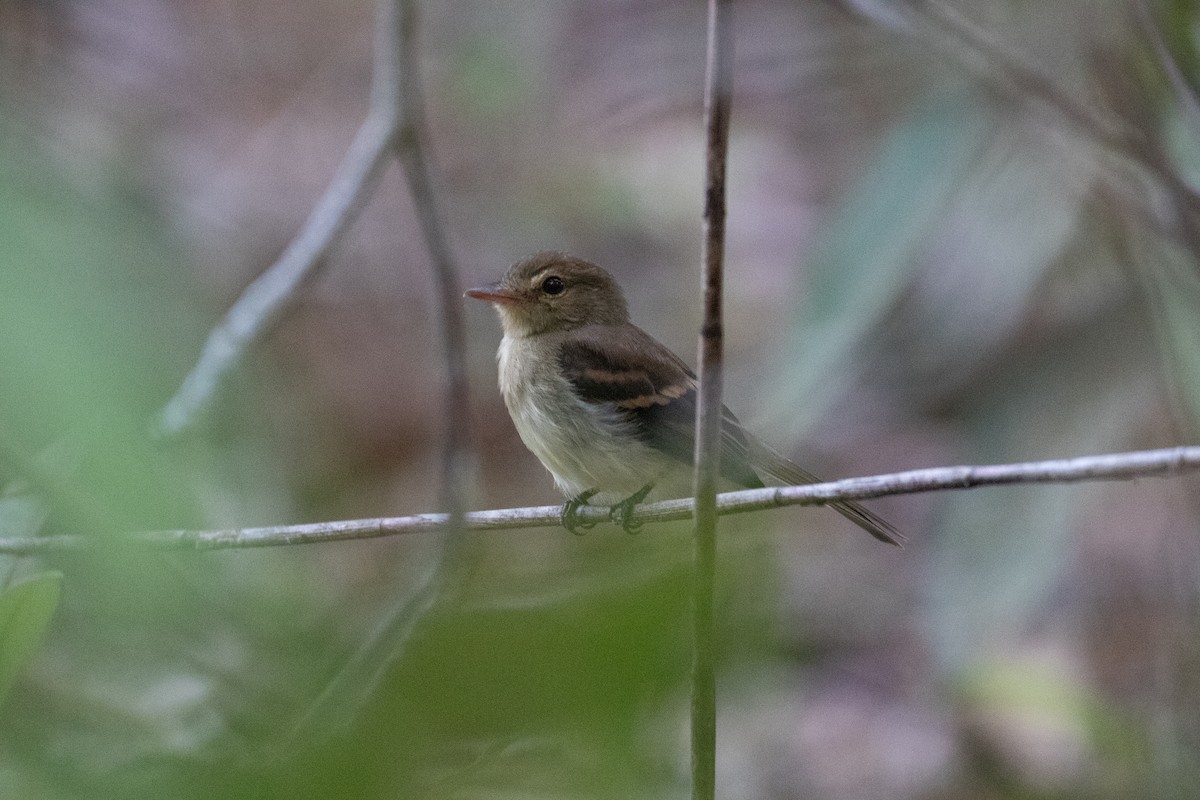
(585,447)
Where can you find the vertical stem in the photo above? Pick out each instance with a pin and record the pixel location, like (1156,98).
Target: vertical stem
(411,146)
(398,86)
(717,92)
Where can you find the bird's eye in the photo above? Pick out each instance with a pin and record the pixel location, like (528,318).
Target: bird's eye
(553,285)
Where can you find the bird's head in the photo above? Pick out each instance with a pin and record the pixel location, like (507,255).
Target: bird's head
(551,292)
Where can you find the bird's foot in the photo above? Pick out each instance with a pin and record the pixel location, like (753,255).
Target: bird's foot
(622,513)
(570,513)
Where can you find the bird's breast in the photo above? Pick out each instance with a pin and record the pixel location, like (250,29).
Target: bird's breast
(585,446)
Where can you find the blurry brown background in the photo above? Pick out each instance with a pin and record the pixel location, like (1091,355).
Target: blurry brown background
(960,232)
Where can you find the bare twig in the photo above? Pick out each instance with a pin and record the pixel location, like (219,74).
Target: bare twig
(1107,132)
(412,149)
(398,86)
(1113,466)
(718,86)
(358,678)
(1009,69)
(394,126)
(262,303)
(264,300)
(1012,73)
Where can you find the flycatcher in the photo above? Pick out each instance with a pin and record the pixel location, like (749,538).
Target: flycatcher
(607,408)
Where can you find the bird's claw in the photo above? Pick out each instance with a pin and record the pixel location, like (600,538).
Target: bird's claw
(622,513)
(570,514)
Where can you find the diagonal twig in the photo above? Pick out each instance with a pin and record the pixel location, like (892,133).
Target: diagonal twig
(266,298)
(394,128)
(262,303)
(358,677)
(1011,72)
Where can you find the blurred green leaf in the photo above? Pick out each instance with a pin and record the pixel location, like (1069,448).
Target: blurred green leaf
(1020,687)
(530,691)
(989,261)
(1182,142)
(89,309)
(1001,552)
(489,78)
(26,610)
(1021,702)
(866,255)
(1169,274)
(1178,20)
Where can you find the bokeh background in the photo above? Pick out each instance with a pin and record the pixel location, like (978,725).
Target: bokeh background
(960,232)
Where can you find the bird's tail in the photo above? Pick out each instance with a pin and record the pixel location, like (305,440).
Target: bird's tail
(787,471)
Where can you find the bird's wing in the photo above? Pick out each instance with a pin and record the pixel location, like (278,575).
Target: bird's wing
(656,392)
(653,389)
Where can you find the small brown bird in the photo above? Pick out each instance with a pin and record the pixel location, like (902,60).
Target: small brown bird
(605,407)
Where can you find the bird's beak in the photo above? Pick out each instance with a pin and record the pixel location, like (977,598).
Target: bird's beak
(493,293)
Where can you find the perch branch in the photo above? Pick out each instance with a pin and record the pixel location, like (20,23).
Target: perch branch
(1114,466)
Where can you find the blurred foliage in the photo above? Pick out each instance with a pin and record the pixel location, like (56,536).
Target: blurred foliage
(26,609)
(960,232)
(866,258)
(82,282)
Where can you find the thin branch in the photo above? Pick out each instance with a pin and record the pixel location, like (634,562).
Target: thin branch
(398,86)
(1107,132)
(718,88)
(1113,466)
(263,302)
(412,149)
(1011,72)
(356,680)
(394,126)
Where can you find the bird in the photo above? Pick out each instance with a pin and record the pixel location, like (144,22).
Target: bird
(607,408)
